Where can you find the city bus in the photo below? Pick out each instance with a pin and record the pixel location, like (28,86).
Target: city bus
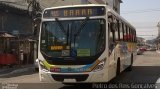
(84,44)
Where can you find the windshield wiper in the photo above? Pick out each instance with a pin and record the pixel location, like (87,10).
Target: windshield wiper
(68,34)
(81,28)
(63,30)
(61,26)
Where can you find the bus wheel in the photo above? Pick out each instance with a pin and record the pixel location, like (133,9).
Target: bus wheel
(130,66)
(118,67)
(36,69)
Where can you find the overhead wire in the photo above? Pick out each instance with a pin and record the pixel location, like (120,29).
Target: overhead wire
(141,11)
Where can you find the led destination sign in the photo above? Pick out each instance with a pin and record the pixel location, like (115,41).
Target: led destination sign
(74,12)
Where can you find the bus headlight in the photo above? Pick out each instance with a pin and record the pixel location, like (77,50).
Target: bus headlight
(43,67)
(100,65)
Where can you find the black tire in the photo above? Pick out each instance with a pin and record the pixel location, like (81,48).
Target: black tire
(130,67)
(118,67)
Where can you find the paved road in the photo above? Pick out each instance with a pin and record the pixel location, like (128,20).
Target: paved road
(146,70)
(149,58)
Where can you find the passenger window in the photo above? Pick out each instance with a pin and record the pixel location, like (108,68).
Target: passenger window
(120,31)
(135,38)
(116,31)
(124,33)
(131,35)
(127,35)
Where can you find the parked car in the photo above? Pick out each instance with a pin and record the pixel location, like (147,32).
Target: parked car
(143,48)
(153,48)
(139,51)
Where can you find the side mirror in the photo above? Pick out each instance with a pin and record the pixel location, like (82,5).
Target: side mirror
(37,60)
(35,30)
(37,21)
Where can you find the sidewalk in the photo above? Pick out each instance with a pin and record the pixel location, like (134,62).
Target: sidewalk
(16,70)
(158,51)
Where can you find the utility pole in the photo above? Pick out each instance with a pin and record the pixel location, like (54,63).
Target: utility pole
(158,38)
(34,10)
(2,23)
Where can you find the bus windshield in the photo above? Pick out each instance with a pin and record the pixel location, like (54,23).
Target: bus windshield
(73,38)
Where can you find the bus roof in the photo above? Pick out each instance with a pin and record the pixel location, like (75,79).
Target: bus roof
(108,9)
(82,5)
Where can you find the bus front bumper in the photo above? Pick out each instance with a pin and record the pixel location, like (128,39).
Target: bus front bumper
(87,77)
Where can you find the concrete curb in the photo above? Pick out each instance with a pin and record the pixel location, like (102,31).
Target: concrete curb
(21,70)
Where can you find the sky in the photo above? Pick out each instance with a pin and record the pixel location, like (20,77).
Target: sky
(144,15)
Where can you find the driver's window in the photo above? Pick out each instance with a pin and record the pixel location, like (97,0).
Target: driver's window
(111,34)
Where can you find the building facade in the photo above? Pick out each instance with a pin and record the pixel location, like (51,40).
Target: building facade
(16,21)
(115,4)
(141,41)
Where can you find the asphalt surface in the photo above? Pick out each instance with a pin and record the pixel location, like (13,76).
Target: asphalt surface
(146,71)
